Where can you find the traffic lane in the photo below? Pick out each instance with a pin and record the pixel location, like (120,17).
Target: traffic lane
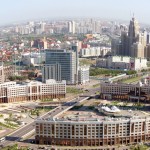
(22,131)
(19,134)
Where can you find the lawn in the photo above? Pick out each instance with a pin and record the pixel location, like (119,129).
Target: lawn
(131,80)
(73,90)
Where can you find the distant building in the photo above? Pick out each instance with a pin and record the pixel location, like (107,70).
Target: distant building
(133,42)
(40,43)
(122,62)
(95,51)
(33,58)
(1,74)
(5,72)
(83,74)
(71,27)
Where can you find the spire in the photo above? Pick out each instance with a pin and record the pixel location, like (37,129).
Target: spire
(133,18)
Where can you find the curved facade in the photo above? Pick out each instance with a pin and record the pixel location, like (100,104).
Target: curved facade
(92,132)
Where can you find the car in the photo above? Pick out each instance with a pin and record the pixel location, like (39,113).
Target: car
(2,139)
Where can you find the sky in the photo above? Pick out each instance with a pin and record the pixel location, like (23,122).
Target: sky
(12,11)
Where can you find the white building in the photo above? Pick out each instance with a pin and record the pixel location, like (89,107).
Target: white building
(33,58)
(83,74)
(122,62)
(95,51)
(71,27)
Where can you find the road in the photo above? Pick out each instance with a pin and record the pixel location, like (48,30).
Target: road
(18,134)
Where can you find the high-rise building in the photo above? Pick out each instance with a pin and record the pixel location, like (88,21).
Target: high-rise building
(51,72)
(67,59)
(133,42)
(83,74)
(147,52)
(71,27)
(1,74)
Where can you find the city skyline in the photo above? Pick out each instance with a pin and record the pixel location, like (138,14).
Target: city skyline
(18,11)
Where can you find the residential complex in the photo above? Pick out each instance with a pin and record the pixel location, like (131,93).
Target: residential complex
(122,63)
(13,92)
(95,52)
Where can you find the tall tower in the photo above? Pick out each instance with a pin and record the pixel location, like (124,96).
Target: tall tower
(133,33)
(71,27)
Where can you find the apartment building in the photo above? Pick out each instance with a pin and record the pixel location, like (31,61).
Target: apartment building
(122,62)
(95,51)
(83,74)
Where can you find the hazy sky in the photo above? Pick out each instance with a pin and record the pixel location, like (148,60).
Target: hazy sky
(21,10)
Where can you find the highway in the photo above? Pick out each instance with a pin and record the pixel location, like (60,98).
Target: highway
(18,134)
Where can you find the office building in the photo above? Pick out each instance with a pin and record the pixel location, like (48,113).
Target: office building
(51,72)
(112,126)
(68,61)
(121,91)
(12,92)
(92,132)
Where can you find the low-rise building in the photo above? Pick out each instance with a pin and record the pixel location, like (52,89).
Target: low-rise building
(122,62)
(33,58)
(122,91)
(12,92)
(95,51)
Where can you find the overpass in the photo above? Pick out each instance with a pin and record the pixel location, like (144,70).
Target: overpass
(21,132)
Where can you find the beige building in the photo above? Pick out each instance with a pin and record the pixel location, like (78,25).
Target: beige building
(121,91)
(133,42)
(5,72)
(12,92)
(92,132)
